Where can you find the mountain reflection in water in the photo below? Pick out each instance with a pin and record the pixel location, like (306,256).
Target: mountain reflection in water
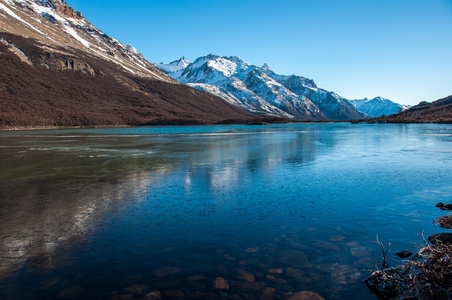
(98,211)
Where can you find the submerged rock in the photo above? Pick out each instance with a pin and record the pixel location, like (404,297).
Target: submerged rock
(384,288)
(122,297)
(341,274)
(166,271)
(137,289)
(305,295)
(443,206)
(404,254)
(221,284)
(197,278)
(252,250)
(244,275)
(229,257)
(298,275)
(70,293)
(269,294)
(445,238)
(325,245)
(154,295)
(360,251)
(337,238)
(246,287)
(275,270)
(294,258)
(175,293)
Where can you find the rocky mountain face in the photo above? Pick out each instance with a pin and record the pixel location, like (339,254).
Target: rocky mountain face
(59,70)
(378,106)
(439,111)
(260,90)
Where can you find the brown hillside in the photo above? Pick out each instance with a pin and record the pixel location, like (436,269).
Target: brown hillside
(69,87)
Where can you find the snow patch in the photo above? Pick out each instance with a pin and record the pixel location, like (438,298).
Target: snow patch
(16,50)
(12,14)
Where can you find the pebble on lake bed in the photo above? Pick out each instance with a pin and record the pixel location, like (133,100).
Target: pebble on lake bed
(247,287)
(122,297)
(197,278)
(337,238)
(305,295)
(294,258)
(275,270)
(325,245)
(252,250)
(166,271)
(221,284)
(296,274)
(174,293)
(360,251)
(137,289)
(244,275)
(155,295)
(269,294)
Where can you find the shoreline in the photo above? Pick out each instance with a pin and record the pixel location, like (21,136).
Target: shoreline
(258,121)
(426,275)
(262,121)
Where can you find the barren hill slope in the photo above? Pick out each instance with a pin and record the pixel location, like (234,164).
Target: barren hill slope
(59,70)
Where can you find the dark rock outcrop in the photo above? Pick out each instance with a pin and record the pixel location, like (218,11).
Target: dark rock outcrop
(443,237)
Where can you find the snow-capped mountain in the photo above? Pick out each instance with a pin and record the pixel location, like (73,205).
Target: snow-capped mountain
(174,67)
(57,69)
(378,106)
(333,106)
(260,90)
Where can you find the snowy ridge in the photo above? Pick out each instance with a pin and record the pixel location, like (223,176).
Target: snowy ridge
(378,106)
(260,90)
(255,90)
(333,106)
(176,66)
(57,24)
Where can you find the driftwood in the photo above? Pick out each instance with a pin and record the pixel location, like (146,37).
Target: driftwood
(428,275)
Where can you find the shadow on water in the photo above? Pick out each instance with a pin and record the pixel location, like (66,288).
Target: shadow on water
(272,210)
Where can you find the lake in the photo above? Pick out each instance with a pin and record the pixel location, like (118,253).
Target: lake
(271,210)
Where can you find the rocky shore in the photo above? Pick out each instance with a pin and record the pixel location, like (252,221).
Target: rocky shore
(427,275)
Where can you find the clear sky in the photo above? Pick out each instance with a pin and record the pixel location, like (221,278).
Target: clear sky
(397,49)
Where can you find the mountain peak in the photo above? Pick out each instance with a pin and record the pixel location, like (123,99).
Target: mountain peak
(182,62)
(381,99)
(266,67)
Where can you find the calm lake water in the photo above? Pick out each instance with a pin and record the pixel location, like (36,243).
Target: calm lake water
(119,213)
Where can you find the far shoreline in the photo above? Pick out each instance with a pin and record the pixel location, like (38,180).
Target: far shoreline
(259,122)
(251,122)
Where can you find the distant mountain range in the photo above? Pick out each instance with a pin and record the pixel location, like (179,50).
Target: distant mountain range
(378,106)
(57,69)
(260,90)
(439,111)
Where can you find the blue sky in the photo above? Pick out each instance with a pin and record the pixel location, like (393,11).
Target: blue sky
(397,49)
